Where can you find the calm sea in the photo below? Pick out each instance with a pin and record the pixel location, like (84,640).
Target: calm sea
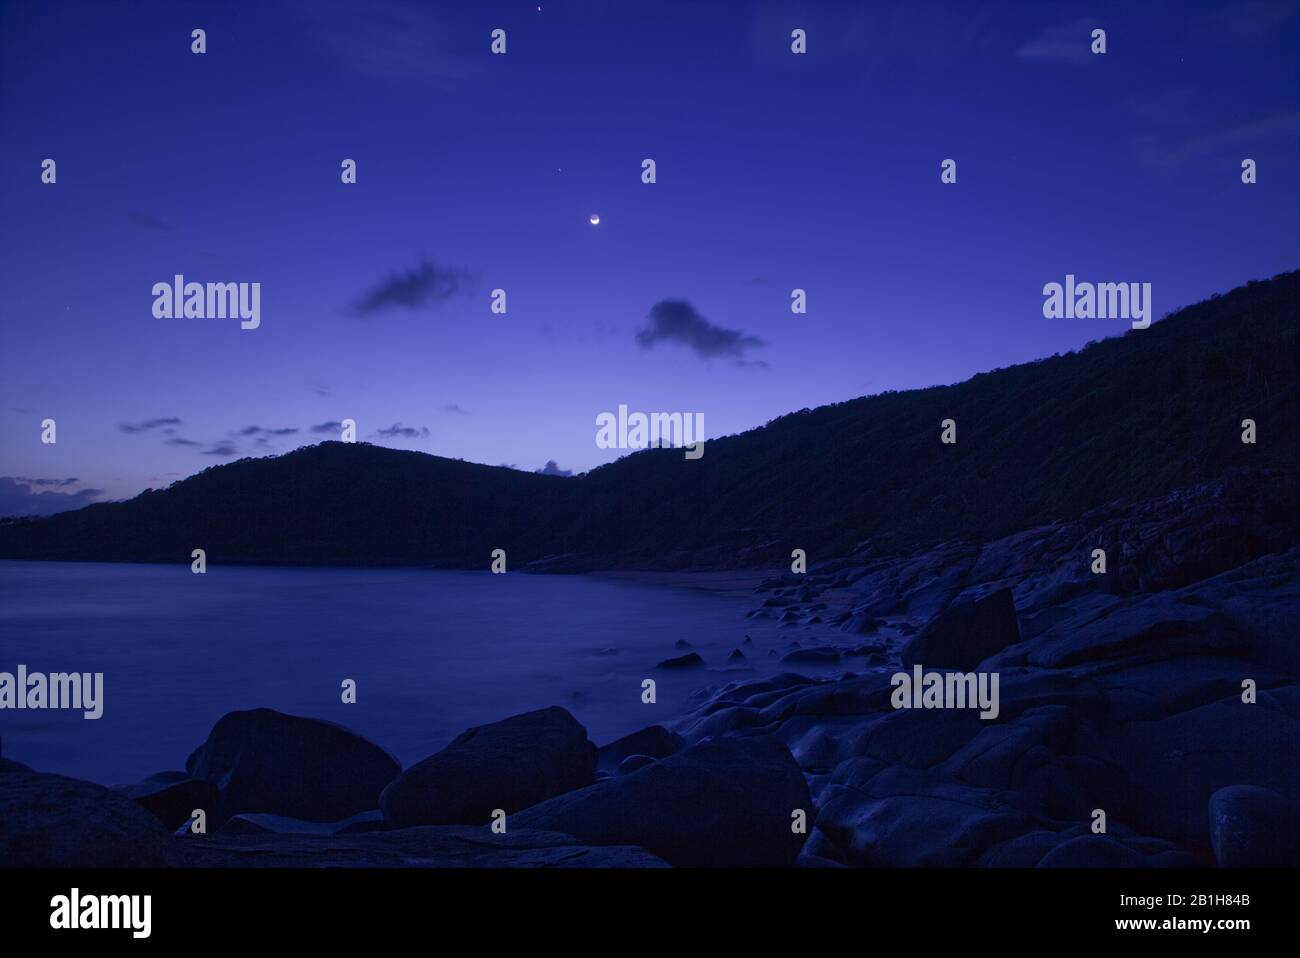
(432,654)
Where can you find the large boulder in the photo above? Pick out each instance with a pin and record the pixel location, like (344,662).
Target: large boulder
(1176,764)
(266,761)
(510,765)
(49,821)
(910,818)
(965,634)
(1092,851)
(655,741)
(722,802)
(1253,827)
(1155,627)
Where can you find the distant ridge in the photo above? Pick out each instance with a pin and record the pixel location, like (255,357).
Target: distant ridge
(1134,416)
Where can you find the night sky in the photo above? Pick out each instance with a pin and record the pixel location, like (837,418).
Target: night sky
(477,171)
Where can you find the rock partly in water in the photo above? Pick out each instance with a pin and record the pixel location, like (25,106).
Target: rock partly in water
(266,761)
(688,661)
(174,796)
(255,823)
(825,655)
(509,765)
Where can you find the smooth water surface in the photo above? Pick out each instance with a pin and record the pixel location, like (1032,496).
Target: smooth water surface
(432,653)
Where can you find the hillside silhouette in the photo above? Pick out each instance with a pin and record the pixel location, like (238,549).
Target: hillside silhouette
(1134,416)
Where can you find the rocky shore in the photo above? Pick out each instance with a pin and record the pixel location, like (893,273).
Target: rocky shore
(1148,716)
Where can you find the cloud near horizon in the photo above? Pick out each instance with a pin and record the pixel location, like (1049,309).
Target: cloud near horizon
(398,431)
(21,496)
(677,321)
(552,468)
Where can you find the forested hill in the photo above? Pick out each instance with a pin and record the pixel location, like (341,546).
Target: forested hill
(1134,416)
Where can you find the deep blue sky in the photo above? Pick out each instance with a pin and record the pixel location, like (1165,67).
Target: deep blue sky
(775,171)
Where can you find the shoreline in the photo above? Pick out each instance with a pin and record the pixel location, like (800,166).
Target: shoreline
(730,582)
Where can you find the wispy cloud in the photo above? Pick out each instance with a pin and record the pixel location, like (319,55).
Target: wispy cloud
(45,482)
(425,285)
(394,40)
(1064,43)
(398,431)
(677,321)
(1246,21)
(148,425)
(264,431)
(1161,153)
(453,407)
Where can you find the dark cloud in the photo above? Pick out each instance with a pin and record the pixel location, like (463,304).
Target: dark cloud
(552,468)
(676,321)
(264,431)
(27,497)
(223,448)
(320,389)
(147,425)
(332,426)
(425,285)
(453,407)
(398,431)
(180,441)
(45,482)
